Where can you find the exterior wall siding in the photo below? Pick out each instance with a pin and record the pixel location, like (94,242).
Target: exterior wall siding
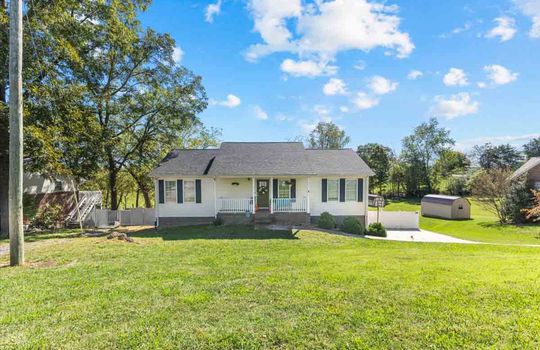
(204,209)
(335,208)
(186,213)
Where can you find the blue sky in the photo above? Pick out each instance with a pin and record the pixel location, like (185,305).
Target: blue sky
(274,68)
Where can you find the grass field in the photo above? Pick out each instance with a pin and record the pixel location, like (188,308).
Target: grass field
(483,227)
(236,288)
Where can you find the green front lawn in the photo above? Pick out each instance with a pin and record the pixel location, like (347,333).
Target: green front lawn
(483,227)
(233,288)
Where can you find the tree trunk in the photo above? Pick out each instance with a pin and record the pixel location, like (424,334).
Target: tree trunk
(113,177)
(137,198)
(147,200)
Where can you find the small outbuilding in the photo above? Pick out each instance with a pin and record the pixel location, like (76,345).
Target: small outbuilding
(446,207)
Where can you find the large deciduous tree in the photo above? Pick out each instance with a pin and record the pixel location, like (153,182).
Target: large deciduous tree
(328,136)
(378,157)
(419,153)
(532,148)
(131,95)
(489,156)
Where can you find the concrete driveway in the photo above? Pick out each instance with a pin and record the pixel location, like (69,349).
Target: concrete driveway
(419,236)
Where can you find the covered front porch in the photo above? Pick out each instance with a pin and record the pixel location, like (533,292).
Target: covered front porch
(262,194)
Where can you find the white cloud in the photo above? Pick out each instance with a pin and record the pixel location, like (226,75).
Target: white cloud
(335,87)
(360,65)
(212,10)
(364,101)
(381,85)
(458,30)
(504,30)
(260,113)
(414,74)
(455,106)
(307,68)
(177,55)
(232,101)
(281,117)
(531,8)
(318,31)
(344,109)
(481,85)
(516,140)
(455,76)
(500,75)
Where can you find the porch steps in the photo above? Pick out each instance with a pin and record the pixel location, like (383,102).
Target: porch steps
(262,218)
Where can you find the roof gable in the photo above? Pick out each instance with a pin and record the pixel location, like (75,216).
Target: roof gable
(525,168)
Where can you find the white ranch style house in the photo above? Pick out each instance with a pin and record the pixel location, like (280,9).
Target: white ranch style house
(260,182)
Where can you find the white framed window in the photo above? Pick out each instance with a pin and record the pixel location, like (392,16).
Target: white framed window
(170,191)
(351,190)
(189,191)
(284,188)
(332,190)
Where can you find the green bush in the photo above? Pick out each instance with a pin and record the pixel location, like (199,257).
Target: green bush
(518,197)
(218,221)
(48,217)
(352,225)
(376,229)
(326,221)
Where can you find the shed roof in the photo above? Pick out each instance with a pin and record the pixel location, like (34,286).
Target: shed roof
(261,158)
(440,199)
(525,168)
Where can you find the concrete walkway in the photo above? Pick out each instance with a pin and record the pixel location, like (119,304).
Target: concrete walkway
(420,236)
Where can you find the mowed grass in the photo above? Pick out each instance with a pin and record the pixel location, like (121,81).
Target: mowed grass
(483,226)
(236,288)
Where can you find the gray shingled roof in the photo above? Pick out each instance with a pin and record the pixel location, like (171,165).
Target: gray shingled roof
(525,168)
(261,158)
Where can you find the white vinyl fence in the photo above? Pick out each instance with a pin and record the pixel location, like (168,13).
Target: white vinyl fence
(131,217)
(396,220)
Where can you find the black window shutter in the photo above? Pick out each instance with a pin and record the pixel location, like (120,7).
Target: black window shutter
(360,190)
(179,191)
(198,191)
(324,188)
(342,190)
(275,188)
(293,188)
(161,191)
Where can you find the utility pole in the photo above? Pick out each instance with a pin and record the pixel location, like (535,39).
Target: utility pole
(16,234)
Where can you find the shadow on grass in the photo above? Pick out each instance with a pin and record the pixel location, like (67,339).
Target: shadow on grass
(214,232)
(56,234)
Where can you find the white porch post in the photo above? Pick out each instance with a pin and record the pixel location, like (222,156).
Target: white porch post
(271,195)
(253,195)
(308,199)
(215,199)
(366,196)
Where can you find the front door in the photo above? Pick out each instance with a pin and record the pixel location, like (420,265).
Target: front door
(263,194)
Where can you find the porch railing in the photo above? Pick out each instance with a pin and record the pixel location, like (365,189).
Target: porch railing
(234,205)
(289,205)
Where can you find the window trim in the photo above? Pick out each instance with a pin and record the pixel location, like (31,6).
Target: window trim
(355,182)
(328,199)
(184,182)
(175,191)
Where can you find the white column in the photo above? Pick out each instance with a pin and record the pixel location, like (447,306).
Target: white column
(156,199)
(271,195)
(253,195)
(215,199)
(308,196)
(366,190)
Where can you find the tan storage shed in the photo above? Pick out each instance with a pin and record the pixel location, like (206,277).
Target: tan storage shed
(446,207)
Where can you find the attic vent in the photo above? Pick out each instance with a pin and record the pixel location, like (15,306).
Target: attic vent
(209,166)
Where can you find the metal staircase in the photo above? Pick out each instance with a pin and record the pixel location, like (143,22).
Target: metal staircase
(88,200)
